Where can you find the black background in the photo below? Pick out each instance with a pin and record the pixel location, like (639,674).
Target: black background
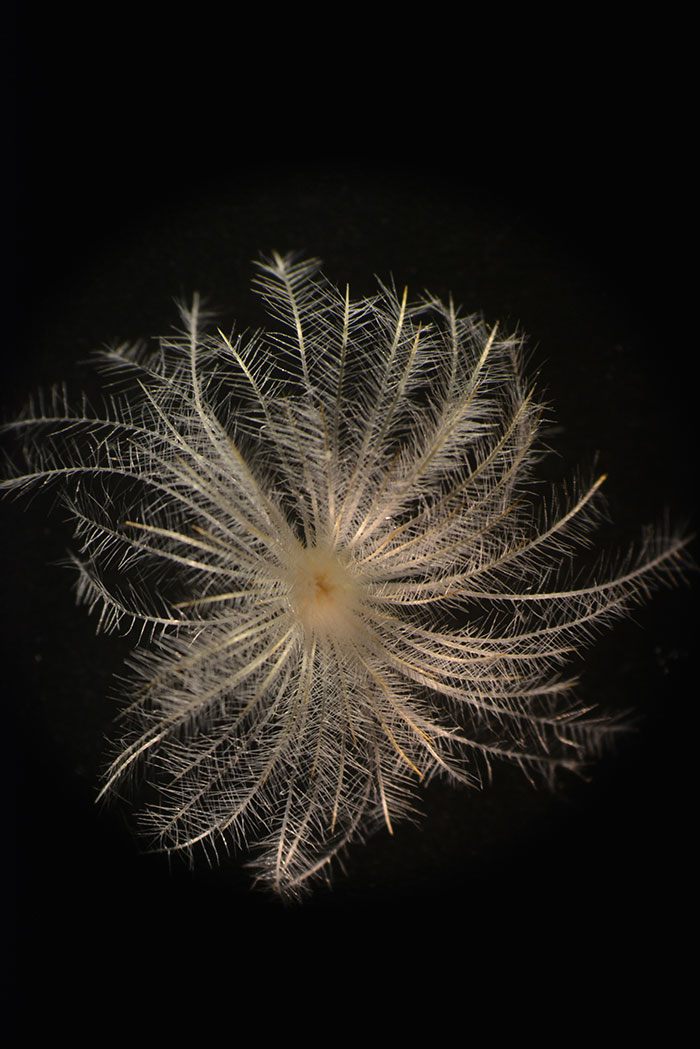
(559,202)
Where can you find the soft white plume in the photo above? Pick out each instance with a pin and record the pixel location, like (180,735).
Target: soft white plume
(328,538)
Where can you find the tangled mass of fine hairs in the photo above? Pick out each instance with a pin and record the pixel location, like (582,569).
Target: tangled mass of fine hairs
(343,586)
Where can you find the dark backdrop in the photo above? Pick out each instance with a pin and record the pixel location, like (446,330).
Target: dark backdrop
(565,218)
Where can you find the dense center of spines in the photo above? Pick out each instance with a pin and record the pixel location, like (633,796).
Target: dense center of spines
(323,593)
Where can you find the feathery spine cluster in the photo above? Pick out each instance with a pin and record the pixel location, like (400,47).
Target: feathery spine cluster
(327,535)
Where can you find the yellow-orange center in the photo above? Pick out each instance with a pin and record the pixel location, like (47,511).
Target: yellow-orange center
(323,594)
